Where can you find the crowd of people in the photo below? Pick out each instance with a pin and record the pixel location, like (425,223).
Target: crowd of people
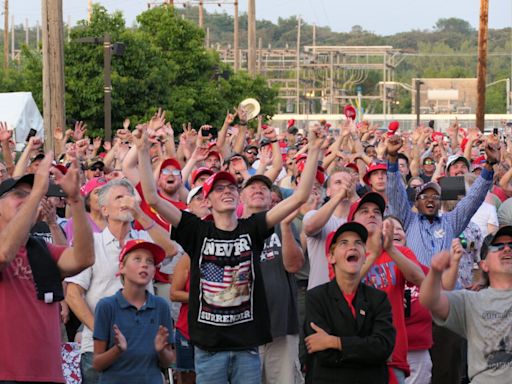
(333,253)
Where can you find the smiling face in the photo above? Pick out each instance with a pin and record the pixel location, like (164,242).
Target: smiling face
(399,233)
(428,203)
(223,197)
(499,262)
(138,267)
(370,216)
(256,196)
(459,168)
(347,254)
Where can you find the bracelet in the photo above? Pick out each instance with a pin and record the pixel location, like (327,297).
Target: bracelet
(150,226)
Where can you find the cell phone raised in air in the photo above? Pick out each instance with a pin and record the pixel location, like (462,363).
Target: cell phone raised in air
(31,133)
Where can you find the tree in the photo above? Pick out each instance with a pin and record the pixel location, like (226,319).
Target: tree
(454,24)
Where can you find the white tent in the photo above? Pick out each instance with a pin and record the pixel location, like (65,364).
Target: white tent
(20,112)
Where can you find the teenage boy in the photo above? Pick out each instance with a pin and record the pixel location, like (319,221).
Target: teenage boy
(228,315)
(131,328)
(348,323)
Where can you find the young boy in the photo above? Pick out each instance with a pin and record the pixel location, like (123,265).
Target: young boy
(131,328)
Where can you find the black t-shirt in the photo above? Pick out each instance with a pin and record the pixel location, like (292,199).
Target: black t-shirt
(227,305)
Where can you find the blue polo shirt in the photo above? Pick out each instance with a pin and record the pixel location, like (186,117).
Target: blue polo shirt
(139,363)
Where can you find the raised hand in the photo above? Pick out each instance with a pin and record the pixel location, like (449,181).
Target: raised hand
(140,137)
(269,133)
(316,137)
(388,231)
(35,143)
(96,142)
(230,117)
(456,250)
(41,177)
(5,134)
(393,145)
(161,339)
(80,129)
(126,124)
(70,182)
(265,155)
(119,339)
(440,261)
(492,149)
(157,121)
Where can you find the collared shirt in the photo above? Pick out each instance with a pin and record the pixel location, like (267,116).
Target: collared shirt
(101,279)
(427,238)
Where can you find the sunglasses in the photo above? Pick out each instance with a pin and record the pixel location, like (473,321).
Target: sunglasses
(254,153)
(429,197)
(96,168)
(499,246)
(174,172)
(429,162)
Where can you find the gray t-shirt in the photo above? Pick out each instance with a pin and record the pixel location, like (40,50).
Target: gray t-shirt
(484,318)
(280,286)
(318,266)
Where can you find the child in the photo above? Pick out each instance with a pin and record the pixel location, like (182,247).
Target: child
(131,328)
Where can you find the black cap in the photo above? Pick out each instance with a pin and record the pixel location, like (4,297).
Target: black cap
(39,156)
(351,226)
(264,179)
(55,190)
(9,184)
(489,239)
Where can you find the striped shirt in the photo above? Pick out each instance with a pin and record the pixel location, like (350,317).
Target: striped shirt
(427,238)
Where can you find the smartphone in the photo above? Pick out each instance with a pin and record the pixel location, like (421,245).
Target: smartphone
(214,132)
(31,133)
(495,131)
(452,187)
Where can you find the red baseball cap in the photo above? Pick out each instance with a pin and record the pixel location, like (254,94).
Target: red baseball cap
(291,123)
(393,127)
(215,153)
(222,175)
(131,245)
(200,171)
(91,185)
(372,168)
(352,166)
(320,172)
(370,197)
(170,161)
(62,168)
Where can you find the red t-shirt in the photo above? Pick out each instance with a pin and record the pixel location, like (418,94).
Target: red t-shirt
(145,207)
(385,275)
(29,328)
(182,322)
(419,323)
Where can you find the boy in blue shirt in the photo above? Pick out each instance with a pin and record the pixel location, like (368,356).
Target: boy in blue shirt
(131,328)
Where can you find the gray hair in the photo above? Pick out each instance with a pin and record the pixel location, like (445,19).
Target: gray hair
(105,190)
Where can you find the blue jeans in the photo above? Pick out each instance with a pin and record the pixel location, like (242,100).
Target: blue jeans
(234,367)
(89,374)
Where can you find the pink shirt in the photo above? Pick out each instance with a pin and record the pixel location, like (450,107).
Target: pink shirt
(29,328)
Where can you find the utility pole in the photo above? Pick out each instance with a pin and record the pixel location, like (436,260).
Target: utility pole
(201,14)
(314,38)
(89,10)
(12,38)
(251,34)
(297,68)
(235,38)
(38,31)
(53,69)
(482,64)
(6,34)
(26,31)
(107,86)
(418,84)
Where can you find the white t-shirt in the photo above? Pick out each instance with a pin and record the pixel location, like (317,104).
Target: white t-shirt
(100,280)
(486,214)
(318,266)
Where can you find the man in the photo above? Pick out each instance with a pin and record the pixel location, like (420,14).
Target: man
(238,165)
(200,175)
(349,325)
(317,224)
(119,207)
(457,165)
(376,178)
(282,256)
(251,152)
(228,315)
(95,168)
(482,317)
(26,309)
(427,232)
(213,161)
(403,166)
(387,268)
(428,167)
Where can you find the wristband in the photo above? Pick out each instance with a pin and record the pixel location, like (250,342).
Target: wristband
(492,163)
(150,226)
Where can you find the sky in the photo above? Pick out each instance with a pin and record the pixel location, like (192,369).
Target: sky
(384,17)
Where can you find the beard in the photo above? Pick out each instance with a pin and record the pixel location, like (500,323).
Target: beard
(125,217)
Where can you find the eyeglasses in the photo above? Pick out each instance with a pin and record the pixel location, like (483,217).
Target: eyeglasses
(219,188)
(429,162)
(96,168)
(499,246)
(429,197)
(174,172)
